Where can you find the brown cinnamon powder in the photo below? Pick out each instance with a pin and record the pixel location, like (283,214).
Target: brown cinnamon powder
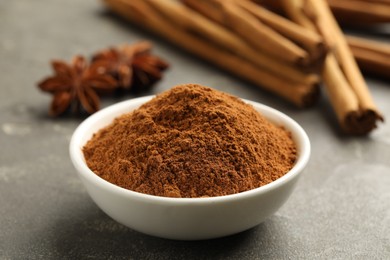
(191,141)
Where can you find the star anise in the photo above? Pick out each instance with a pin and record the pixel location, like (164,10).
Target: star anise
(76,85)
(133,66)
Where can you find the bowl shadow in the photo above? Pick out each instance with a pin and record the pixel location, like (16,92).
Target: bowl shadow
(95,235)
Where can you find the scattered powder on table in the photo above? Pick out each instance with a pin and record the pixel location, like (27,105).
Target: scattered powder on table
(191,141)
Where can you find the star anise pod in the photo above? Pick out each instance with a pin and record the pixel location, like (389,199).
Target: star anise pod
(133,65)
(76,85)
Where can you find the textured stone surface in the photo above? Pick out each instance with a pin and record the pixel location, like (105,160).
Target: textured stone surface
(340,209)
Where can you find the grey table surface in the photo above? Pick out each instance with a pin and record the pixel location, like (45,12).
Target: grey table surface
(339,210)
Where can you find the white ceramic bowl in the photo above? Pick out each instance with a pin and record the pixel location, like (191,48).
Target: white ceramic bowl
(186,218)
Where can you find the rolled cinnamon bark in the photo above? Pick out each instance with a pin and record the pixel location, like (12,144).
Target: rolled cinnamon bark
(361,12)
(193,22)
(347,89)
(310,40)
(372,57)
(252,30)
(148,15)
(285,39)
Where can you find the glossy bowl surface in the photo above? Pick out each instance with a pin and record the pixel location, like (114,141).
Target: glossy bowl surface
(186,218)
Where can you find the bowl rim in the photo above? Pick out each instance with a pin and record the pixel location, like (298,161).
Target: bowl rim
(75,149)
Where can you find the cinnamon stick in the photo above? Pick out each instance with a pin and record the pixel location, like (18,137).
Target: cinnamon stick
(347,89)
(361,11)
(253,22)
(252,30)
(146,14)
(372,57)
(349,12)
(345,57)
(301,11)
(209,9)
(193,22)
(370,60)
(310,40)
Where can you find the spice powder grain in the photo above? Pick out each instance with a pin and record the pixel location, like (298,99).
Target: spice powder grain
(191,141)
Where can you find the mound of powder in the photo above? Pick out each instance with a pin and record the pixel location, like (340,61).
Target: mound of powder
(191,141)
